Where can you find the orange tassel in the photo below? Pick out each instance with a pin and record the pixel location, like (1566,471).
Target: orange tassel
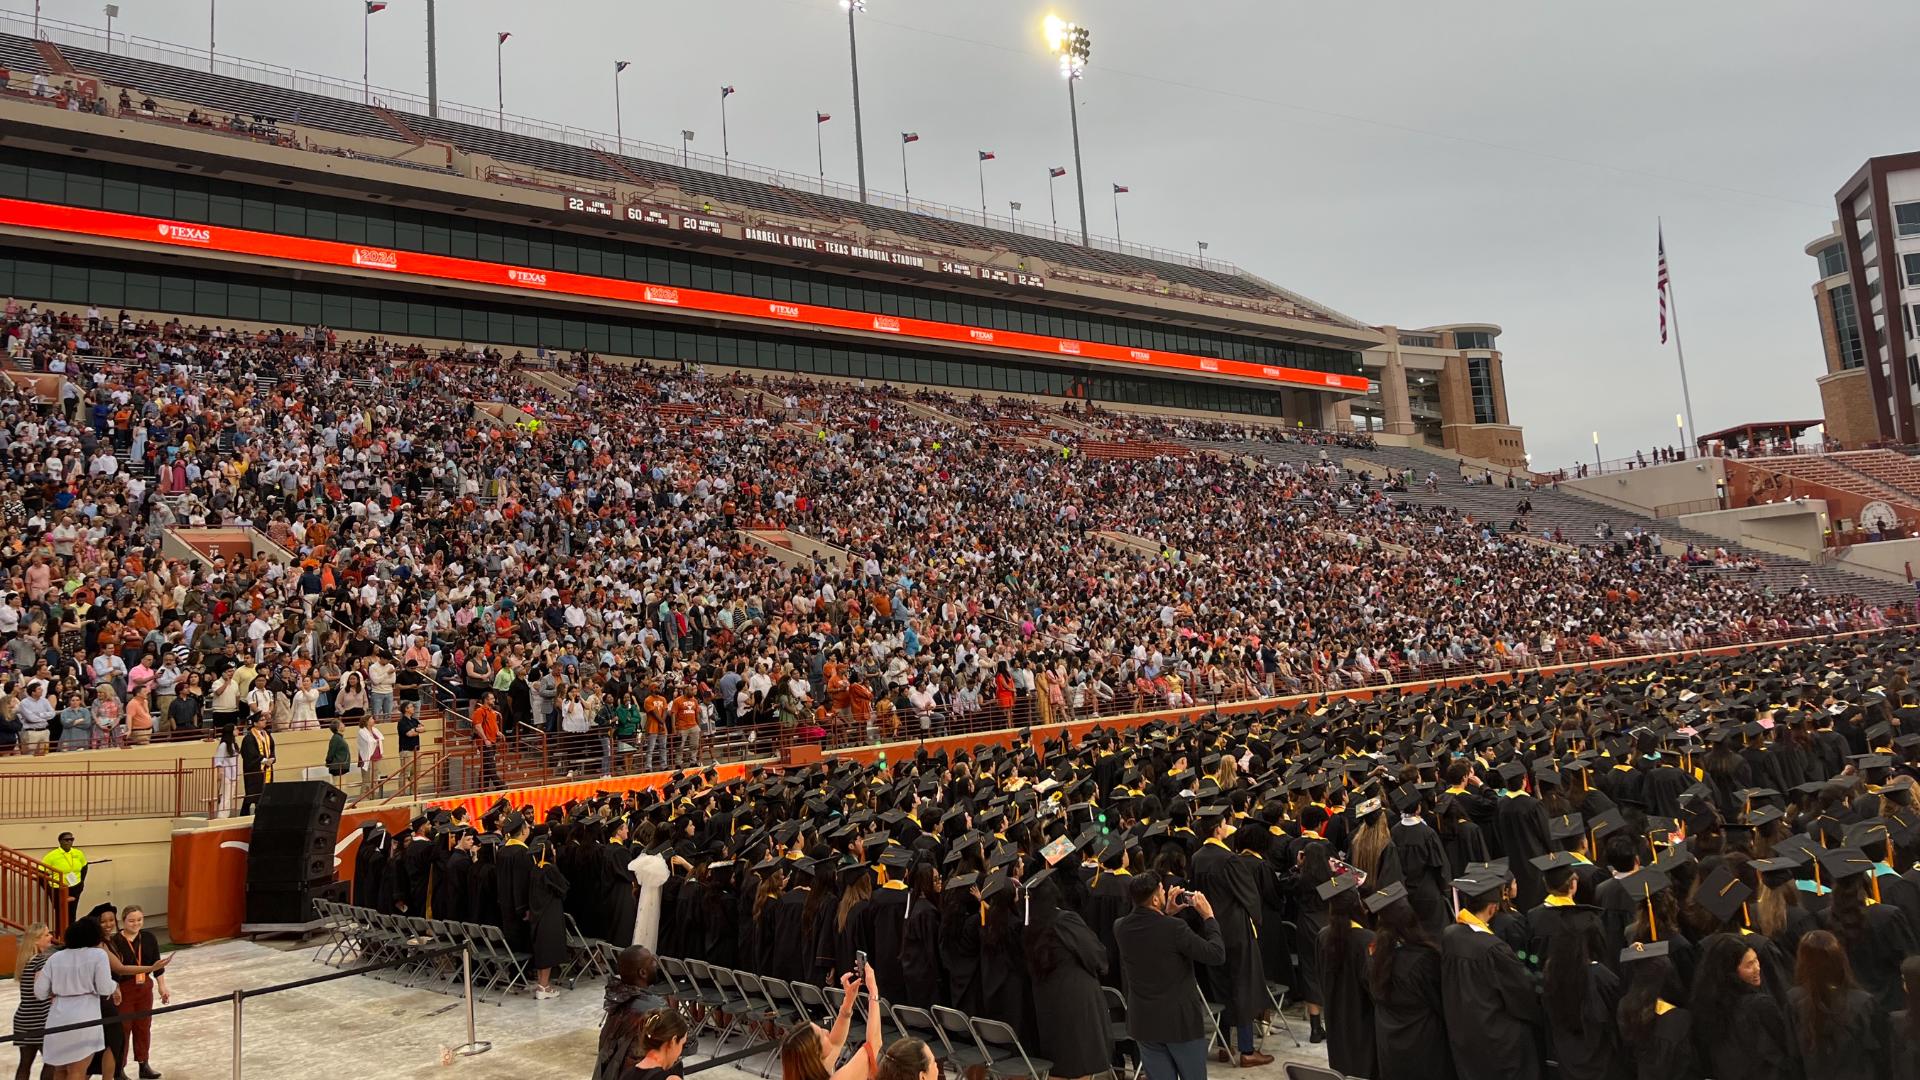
(1653,928)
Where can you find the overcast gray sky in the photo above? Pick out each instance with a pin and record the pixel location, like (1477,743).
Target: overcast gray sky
(1401,160)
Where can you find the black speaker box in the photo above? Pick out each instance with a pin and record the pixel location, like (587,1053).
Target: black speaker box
(276,906)
(306,805)
(275,869)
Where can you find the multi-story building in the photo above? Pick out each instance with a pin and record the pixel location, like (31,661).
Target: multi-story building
(1866,301)
(190,194)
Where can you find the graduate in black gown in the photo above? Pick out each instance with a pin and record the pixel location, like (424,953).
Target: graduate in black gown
(962,917)
(370,867)
(920,985)
(623,895)
(1348,1010)
(483,894)
(1066,960)
(1006,989)
(1581,997)
(1739,1028)
(1492,1010)
(791,952)
(1877,936)
(1656,1034)
(1424,867)
(883,927)
(514,870)
(1403,980)
(1235,883)
(547,941)
(1521,828)
(453,883)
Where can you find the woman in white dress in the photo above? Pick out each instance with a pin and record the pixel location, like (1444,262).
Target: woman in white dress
(75,979)
(371,748)
(226,777)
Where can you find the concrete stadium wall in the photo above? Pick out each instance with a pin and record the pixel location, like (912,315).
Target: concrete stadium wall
(1647,490)
(1793,529)
(1887,560)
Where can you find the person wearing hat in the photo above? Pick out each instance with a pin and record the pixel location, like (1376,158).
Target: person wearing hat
(1492,1011)
(1579,995)
(1344,947)
(1838,1031)
(1067,960)
(1403,983)
(1234,882)
(1877,936)
(1656,1035)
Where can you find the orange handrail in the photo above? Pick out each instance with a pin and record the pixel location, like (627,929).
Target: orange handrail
(27,896)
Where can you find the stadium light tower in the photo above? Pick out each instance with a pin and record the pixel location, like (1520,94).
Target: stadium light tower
(1073,45)
(855,7)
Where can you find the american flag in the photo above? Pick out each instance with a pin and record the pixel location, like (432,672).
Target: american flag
(986,155)
(1057,171)
(1661,284)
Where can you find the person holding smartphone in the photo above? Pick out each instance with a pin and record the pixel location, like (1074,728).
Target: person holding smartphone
(1166,1014)
(807,1050)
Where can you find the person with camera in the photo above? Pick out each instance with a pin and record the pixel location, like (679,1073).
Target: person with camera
(1158,952)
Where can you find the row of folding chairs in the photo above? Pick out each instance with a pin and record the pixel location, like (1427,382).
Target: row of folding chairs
(759,1007)
(426,952)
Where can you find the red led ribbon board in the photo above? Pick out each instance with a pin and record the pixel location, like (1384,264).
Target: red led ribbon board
(215,238)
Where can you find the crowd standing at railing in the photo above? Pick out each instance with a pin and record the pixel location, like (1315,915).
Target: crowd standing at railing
(578,559)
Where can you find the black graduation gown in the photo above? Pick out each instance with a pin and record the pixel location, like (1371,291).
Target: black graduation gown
(1409,1024)
(1855,1048)
(483,894)
(670,915)
(513,884)
(1424,871)
(920,954)
(546,904)
(456,890)
(1754,1044)
(370,876)
(1491,1008)
(1666,1052)
(1521,824)
(1232,884)
(719,923)
(1105,906)
(960,953)
(689,920)
(1876,954)
(1348,1006)
(884,932)
(1005,985)
(418,856)
(1467,844)
(765,940)
(1905,1049)
(1069,1007)
(1592,1052)
(792,952)
(623,899)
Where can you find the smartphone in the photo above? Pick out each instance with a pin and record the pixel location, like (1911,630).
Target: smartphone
(860,963)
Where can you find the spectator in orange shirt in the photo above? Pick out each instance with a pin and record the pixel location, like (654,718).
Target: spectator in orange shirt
(486,728)
(654,707)
(686,721)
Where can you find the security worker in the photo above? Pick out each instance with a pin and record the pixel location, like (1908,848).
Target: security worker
(66,865)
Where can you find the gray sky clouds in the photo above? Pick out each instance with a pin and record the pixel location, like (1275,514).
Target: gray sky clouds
(1402,161)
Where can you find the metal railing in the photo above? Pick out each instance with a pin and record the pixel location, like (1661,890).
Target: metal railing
(104,794)
(27,896)
(406,101)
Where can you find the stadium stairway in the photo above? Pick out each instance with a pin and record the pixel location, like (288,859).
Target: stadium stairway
(1576,517)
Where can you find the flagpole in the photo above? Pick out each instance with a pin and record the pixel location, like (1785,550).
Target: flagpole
(500,78)
(366,53)
(906,186)
(981,165)
(619,130)
(1686,396)
(1053,212)
(1116,217)
(819,150)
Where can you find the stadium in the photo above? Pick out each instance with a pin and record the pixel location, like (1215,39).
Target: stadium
(447,555)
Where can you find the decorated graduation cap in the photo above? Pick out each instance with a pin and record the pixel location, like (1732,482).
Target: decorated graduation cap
(1646,950)
(1336,885)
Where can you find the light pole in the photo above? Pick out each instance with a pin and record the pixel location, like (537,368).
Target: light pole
(500,74)
(855,7)
(1073,45)
(1680,422)
(619,133)
(1013,211)
(1053,213)
(112,10)
(212,8)
(726,154)
(686,136)
(1203,254)
(1596,453)
(433,66)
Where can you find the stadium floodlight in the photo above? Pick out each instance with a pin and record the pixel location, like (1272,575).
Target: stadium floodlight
(853,8)
(113,12)
(1073,45)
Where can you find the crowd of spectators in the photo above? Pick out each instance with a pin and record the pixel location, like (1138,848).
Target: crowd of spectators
(575,558)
